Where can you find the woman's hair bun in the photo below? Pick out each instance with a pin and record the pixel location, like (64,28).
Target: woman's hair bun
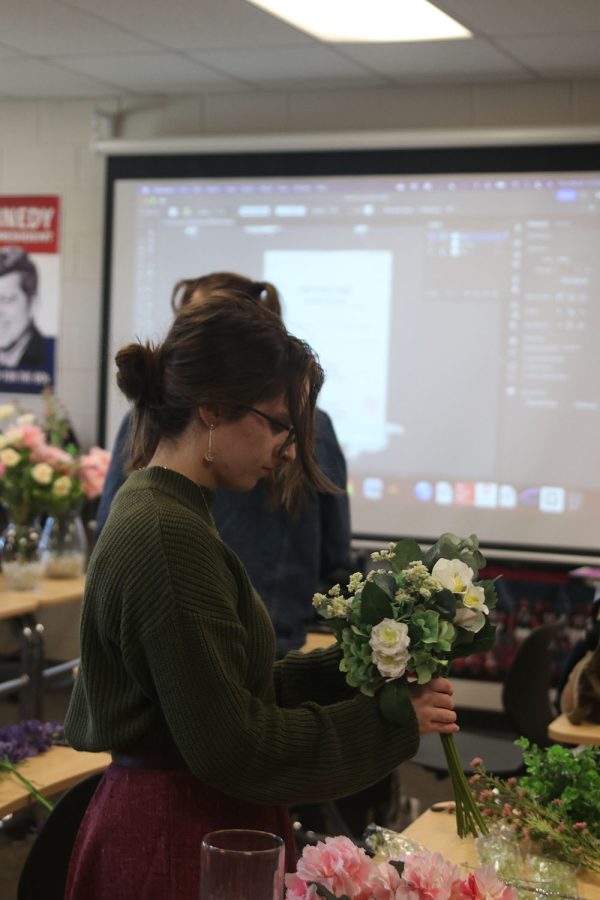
(139,374)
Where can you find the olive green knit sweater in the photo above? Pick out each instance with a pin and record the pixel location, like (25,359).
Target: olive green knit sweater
(177,646)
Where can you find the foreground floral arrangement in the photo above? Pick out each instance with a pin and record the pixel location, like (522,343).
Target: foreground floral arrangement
(24,740)
(407,622)
(339,869)
(554,808)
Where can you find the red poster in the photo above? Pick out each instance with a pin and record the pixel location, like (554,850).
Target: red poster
(30,222)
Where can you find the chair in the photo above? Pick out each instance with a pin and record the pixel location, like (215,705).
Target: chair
(526,702)
(44,875)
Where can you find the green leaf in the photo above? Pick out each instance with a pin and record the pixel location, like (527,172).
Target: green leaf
(405,552)
(375,604)
(394,702)
(479,642)
(445,603)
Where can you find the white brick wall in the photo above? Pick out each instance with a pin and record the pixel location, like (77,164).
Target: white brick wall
(45,147)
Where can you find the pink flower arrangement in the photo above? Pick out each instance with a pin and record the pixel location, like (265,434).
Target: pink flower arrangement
(337,868)
(38,476)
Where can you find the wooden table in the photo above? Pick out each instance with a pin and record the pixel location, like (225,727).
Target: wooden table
(49,592)
(437,832)
(21,607)
(562,730)
(51,773)
(318,640)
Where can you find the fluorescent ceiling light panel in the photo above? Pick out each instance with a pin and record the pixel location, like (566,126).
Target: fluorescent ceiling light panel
(367,21)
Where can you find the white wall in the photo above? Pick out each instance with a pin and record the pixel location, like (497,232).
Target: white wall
(45,148)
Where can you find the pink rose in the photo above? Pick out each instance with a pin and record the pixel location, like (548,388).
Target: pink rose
(93,467)
(59,459)
(32,436)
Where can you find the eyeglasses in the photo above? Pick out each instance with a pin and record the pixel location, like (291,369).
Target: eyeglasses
(278,428)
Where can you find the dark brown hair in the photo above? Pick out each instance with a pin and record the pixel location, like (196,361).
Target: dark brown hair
(229,351)
(193,289)
(15,259)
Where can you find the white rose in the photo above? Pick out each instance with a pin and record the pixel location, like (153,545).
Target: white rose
(390,642)
(10,457)
(62,486)
(469,619)
(42,473)
(25,419)
(391,667)
(453,574)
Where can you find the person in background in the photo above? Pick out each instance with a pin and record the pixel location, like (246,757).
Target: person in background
(22,346)
(579,657)
(178,678)
(287,557)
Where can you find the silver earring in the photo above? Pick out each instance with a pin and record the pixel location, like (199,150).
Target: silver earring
(209,455)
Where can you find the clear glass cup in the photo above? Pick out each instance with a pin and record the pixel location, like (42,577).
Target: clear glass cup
(238,864)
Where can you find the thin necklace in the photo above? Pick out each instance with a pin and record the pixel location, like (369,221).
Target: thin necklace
(197,483)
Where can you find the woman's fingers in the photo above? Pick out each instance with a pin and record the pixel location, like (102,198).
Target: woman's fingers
(434,706)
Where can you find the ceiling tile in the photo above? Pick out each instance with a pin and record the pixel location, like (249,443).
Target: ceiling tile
(200,24)
(567,55)
(504,17)
(428,61)
(38,79)
(45,27)
(272,67)
(157,73)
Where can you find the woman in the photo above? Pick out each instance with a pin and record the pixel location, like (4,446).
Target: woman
(288,557)
(177,675)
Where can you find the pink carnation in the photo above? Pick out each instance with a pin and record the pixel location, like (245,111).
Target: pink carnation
(384,882)
(338,864)
(483,884)
(428,876)
(297,889)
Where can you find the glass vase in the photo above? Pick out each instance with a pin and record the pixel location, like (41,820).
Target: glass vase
(66,545)
(239,864)
(22,555)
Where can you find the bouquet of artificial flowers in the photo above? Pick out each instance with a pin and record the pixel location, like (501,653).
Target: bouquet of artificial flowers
(339,869)
(406,622)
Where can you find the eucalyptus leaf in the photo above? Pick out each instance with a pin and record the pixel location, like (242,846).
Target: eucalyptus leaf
(405,552)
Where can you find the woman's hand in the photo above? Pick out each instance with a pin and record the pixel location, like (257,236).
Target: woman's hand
(434,706)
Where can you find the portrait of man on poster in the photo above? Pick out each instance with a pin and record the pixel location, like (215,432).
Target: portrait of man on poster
(23,348)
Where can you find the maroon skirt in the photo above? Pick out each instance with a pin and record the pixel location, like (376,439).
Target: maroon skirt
(141,834)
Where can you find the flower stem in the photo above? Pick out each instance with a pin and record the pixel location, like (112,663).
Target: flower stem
(10,767)
(468,815)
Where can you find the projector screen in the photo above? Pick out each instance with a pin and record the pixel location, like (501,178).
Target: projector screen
(453,299)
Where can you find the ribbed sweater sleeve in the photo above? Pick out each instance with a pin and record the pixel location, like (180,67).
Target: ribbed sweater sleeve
(176,645)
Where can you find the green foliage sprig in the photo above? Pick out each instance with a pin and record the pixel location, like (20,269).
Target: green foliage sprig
(554,809)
